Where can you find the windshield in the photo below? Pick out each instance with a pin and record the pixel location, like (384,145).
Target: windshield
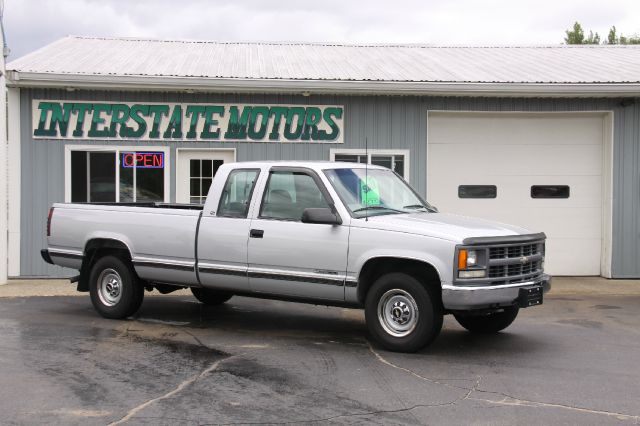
(375,192)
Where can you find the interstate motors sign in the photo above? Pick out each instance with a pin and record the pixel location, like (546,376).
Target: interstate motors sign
(188,122)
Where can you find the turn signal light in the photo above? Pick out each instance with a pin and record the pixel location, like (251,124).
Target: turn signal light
(462,259)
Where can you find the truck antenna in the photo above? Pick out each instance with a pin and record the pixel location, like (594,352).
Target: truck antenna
(366,180)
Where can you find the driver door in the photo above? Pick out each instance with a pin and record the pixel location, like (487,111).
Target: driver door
(291,258)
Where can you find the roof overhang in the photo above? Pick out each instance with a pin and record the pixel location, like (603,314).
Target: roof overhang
(308,86)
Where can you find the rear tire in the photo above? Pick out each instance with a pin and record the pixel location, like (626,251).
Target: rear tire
(402,313)
(489,323)
(210,297)
(114,288)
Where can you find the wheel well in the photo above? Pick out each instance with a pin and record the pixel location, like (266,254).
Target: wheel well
(94,250)
(374,268)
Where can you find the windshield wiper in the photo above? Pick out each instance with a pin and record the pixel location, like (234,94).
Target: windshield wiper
(420,206)
(361,209)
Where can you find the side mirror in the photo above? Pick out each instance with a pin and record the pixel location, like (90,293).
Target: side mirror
(321,215)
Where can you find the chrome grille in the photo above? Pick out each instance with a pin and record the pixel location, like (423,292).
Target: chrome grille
(514,251)
(503,271)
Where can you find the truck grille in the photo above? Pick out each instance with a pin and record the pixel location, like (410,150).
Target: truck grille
(500,271)
(515,262)
(510,262)
(514,251)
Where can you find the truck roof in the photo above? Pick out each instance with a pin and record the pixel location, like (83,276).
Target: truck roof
(314,165)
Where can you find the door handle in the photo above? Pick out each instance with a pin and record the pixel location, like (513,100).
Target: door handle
(256,233)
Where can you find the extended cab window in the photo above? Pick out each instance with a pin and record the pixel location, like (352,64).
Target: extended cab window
(236,195)
(287,195)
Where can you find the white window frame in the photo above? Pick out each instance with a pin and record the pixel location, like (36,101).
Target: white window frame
(372,152)
(117,149)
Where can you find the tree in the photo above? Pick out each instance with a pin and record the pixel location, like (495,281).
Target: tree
(592,39)
(612,38)
(634,39)
(576,36)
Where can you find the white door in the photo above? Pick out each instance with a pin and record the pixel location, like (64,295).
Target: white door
(539,171)
(195,171)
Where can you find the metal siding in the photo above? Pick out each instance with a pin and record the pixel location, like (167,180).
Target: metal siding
(387,122)
(626,194)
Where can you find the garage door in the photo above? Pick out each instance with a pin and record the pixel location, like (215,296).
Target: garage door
(539,171)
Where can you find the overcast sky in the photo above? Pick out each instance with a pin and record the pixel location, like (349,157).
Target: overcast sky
(30,24)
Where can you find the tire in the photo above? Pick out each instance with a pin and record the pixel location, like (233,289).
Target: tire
(489,323)
(115,290)
(210,297)
(402,313)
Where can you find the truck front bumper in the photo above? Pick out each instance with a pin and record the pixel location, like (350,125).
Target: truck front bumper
(464,298)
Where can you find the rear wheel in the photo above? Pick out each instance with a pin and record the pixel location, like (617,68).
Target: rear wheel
(115,289)
(489,323)
(211,297)
(402,314)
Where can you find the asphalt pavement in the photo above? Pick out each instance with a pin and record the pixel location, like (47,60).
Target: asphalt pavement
(573,360)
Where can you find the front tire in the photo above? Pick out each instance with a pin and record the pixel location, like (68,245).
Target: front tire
(402,314)
(210,297)
(115,290)
(489,323)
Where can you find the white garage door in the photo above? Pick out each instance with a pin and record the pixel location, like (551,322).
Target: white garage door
(544,170)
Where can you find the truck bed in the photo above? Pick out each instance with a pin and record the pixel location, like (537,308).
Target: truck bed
(159,236)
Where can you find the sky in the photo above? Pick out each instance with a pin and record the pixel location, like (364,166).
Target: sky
(31,24)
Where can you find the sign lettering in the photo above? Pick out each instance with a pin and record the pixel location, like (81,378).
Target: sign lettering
(188,122)
(143,160)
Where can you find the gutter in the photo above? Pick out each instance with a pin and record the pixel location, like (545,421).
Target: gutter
(294,86)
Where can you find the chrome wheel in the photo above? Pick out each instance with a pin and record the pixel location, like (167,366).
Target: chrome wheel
(397,312)
(109,287)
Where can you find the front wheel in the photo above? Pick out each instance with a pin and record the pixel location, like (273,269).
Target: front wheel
(402,314)
(115,290)
(489,323)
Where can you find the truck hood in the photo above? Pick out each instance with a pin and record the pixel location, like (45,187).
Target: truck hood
(441,225)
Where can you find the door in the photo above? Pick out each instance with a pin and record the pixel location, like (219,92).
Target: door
(291,258)
(222,239)
(196,169)
(540,171)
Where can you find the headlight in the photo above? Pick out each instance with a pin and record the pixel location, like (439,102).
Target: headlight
(472,258)
(469,264)
(467,258)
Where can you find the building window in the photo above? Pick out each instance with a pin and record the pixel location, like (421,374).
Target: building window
(93,177)
(117,175)
(550,191)
(477,191)
(351,158)
(394,160)
(201,173)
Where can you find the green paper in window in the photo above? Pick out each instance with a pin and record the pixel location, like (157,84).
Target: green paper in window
(369,193)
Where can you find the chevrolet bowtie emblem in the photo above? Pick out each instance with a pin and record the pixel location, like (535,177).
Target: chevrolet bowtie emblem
(524,259)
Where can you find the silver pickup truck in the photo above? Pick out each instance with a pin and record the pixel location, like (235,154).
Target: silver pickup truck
(326,233)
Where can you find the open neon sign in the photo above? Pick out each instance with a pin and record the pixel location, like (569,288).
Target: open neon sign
(143,160)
